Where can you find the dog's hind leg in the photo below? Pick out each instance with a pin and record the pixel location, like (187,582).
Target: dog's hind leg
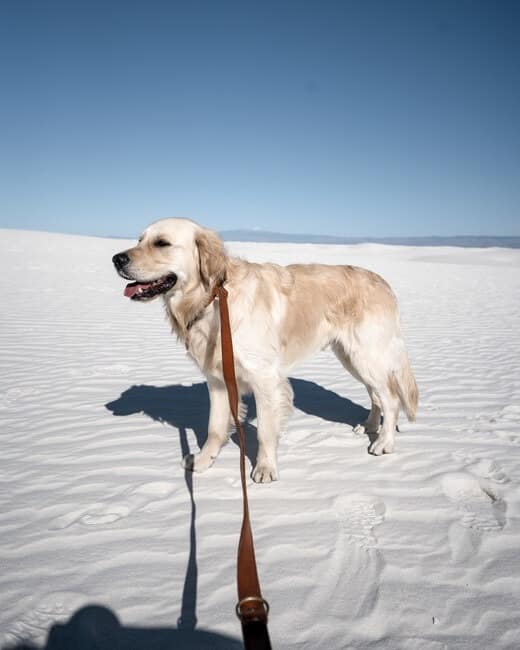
(384,443)
(218,428)
(373,370)
(373,421)
(273,398)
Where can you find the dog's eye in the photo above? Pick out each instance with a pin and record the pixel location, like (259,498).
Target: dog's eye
(161,243)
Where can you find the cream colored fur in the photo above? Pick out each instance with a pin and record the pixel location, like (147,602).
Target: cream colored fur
(279,315)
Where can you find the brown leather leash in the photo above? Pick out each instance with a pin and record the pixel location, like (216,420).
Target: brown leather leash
(252,609)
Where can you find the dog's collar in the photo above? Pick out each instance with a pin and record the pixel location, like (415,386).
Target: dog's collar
(213,294)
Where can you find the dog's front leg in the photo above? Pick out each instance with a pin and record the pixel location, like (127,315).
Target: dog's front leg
(273,405)
(218,428)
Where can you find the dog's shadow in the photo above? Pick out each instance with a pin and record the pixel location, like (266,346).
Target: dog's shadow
(187,407)
(182,407)
(315,400)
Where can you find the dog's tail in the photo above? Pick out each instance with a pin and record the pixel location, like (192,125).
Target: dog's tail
(404,384)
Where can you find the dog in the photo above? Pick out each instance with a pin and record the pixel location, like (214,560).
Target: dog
(279,315)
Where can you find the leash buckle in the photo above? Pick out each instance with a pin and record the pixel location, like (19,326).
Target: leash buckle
(251,613)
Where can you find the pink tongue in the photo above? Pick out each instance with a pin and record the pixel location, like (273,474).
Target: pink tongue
(131,289)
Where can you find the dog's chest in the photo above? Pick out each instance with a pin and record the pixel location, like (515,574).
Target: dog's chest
(203,346)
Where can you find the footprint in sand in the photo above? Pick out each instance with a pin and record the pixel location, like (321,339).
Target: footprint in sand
(481,511)
(359,514)
(355,564)
(34,625)
(99,514)
(482,467)
(479,505)
(12,395)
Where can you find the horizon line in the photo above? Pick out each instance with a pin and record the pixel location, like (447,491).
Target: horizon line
(246,235)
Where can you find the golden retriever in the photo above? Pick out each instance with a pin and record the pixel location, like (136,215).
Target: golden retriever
(279,315)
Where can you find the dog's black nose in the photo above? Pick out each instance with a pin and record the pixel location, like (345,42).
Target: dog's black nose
(120,260)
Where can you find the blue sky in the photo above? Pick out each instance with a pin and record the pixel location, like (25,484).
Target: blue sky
(362,118)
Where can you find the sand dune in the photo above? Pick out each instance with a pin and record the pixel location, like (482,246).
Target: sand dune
(98,404)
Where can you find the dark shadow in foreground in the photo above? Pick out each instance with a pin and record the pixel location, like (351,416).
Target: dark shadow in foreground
(95,627)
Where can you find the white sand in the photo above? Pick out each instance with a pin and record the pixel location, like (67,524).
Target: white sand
(415,550)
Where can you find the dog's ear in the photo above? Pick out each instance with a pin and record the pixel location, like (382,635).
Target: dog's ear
(212,256)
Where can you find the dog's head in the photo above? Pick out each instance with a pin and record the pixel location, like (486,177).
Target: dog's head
(171,255)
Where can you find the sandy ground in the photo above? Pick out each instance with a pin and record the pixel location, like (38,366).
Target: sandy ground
(98,404)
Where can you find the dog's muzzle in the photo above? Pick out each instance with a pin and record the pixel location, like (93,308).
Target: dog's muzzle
(137,290)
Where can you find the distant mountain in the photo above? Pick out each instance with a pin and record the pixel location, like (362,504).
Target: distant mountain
(465,241)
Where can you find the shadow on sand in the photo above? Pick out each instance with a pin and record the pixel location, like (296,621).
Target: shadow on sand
(96,627)
(187,407)
(315,400)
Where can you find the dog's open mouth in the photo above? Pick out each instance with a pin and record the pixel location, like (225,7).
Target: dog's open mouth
(147,290)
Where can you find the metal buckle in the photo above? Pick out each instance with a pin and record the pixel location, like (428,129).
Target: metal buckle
(251,599)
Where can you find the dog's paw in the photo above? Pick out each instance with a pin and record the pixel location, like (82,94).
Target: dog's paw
(197,462)
(265,473)
(382,445)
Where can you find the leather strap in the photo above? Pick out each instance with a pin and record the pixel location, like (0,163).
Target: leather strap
(252,608)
